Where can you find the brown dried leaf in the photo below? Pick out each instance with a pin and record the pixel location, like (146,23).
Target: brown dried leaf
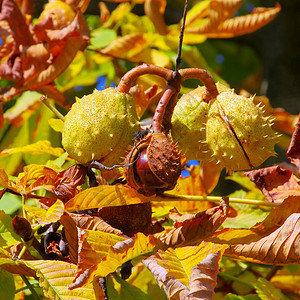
(282,246)
(275,240)
(195,228)
(275,183)
(293,151)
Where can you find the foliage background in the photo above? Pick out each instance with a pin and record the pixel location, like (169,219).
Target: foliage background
(263,62)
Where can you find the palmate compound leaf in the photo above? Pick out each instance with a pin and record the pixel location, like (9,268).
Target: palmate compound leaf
(273,241)
(187,272)
(103,196)
(54,278)
(112,251)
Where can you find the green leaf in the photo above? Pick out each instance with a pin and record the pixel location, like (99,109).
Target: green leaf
(102,38)
(10,203)
(7,234)
(128,291)
(7,285)
(266,290)
(236,297)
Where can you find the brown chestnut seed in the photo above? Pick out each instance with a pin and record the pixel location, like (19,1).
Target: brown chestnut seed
(158,167)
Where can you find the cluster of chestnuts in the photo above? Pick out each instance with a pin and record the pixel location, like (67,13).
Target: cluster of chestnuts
(209,123)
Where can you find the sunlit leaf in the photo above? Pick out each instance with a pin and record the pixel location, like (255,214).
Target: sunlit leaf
(125,47)
(54,278)
(103,196)
(14,266)
(121,252)
(43,216)
(287,280)
(92,242)
(40,147)
(226,28)
(187,272)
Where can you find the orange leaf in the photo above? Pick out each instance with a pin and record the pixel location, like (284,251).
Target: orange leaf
(105,195)
(219,26)
(195,228)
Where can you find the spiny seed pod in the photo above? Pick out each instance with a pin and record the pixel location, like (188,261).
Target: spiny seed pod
(237,132)
(189,124)
(100,126)
(230,129)
(158,164)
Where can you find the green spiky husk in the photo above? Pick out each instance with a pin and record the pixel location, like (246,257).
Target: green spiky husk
(100,126)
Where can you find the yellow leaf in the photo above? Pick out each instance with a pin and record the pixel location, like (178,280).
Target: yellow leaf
(4,181)
(111,258)
(188,271)
(56,124)
(14,266)
(126,46)
(105,195)
(43,216)
(40,147)
(54,278)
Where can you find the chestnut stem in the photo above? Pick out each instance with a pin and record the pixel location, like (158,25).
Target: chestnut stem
(170,197)
(192,73)
(128,79)
(160,109)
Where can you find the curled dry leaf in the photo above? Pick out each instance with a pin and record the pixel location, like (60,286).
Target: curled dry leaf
(275,183)
(35,55)
(195,227)
(68,180)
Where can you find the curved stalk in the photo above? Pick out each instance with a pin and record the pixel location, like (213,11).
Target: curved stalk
(161,108)
(128,79)
(170,197)
(205,77)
